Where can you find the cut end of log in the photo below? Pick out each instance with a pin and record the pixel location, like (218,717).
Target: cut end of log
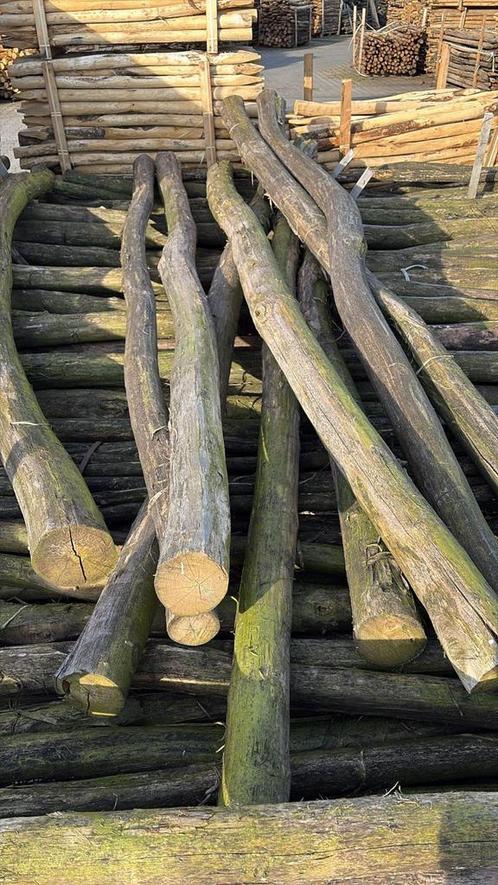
(389,642)
(194,630)
(94,694)
(191,583)
(75,556)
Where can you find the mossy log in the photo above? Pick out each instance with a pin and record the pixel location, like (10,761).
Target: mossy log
(386,624)
(462,407)
(425,550)
(192,573)
(45,300)
(50,329)
(97,674)
(446,836)
(336,239)
(68,540)
(256,753)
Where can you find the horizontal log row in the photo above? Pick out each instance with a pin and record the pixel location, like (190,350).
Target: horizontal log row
(166,22)
(426,127)
(117,106)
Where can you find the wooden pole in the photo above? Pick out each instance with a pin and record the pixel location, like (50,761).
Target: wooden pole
(307,841)
(362,36)
(207,114)
(256,755)
(69,544)
(479,51)
(442,66)
(353,41)
(192,574)
(211,26)
(475,176)
(345,116)
(308,76)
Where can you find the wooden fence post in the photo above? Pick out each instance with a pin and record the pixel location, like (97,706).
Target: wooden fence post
(51,84)
(212,26)
(487,122)
(345,121)
(308,76)
(207,110)
(442,66)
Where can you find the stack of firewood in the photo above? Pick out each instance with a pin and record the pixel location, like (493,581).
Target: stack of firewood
(325,17)
(284,24)
(7,56)
(435,125)
(473,58)
(393,51)
(117,106)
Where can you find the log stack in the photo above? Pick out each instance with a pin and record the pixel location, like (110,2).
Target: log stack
(7,56)
(473,58)
(86,24)
(116,106)
(325,18)
(284,24)
(394,51)
(436,125)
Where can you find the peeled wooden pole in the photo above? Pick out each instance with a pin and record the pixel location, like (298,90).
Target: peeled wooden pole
(256,754)
(192,574)
(340,235)
(442,575)
(441,836)
(463,408)
(68,541)
(148,413)
(386,624)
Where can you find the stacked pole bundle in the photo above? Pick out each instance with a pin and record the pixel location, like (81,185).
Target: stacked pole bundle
(87,24)
(394,51)
(435,126)
(115,107)
(472,58)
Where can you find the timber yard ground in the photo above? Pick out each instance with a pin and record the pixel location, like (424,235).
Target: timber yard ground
(283,72)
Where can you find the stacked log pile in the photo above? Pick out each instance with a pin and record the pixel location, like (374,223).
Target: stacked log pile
(436,126)
(392,51)
(116,107)
(125,24)
(357,642)
(473,58)
(284,24)
(325,18)
(7,56)
(439,15)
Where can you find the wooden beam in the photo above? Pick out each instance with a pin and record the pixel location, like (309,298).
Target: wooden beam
(56,115)
(442,66)
(212,26)
(480,154)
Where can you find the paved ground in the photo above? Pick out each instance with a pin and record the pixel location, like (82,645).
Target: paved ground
(331,65)
(283,72)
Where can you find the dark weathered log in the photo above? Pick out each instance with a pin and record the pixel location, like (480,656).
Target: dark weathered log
(68,541)
(414,420)
(192,573)
(465,411)
(386,624)
(420,542)
(256,754)
(225,299)
(312,842)
(51,329)
(44,300)
(97,674)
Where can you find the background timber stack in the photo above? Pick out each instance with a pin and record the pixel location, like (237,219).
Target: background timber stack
(325,17)
(473,58)
(393,51)
(117,106)
(7,56)
(104,98)
(284,24)
(432,125)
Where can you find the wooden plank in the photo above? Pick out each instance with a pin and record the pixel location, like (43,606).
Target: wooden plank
(212,26)
(207,110)
(308,77)
(442,66)
(480,154)
(56,115)
(345,122)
